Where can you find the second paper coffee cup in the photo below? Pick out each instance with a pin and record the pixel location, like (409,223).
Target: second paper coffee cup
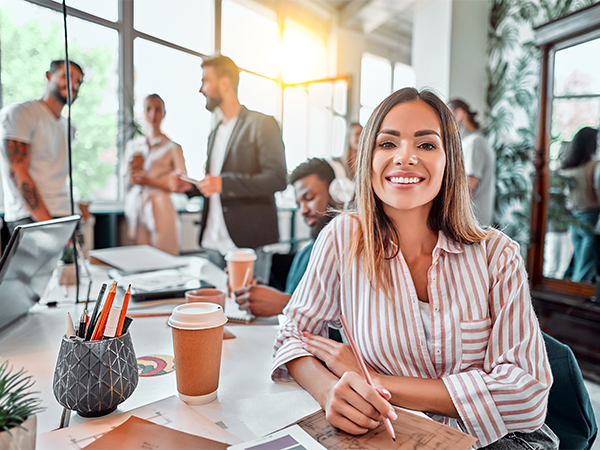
(197,343)
(240,262)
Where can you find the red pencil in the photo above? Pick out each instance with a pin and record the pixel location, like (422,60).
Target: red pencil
(123,312)
(363,368)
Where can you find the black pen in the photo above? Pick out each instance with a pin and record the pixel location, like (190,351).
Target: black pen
(94,316)
(82,321)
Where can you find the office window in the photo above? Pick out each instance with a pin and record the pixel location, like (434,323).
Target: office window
(375,84)
(302,55)
(258,93)
(31,37)
(250,38)
(182,22)
(106,9)
(187,121)
(295,126)
(404,76)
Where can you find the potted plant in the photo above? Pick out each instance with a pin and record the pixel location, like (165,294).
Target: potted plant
(66,269)
(18,407)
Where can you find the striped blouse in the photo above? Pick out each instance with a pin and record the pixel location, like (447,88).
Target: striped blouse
(486,343)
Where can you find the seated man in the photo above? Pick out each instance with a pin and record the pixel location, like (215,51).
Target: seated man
(311,181)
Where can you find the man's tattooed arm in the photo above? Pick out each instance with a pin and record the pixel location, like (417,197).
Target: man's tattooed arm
(18,161)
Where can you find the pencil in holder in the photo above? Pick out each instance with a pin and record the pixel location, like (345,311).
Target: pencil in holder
(94,377)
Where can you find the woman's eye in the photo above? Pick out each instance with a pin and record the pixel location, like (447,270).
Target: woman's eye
(387,144)
(427,146)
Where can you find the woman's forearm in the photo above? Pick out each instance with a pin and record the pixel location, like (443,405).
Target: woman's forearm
(419,394)
(313,377)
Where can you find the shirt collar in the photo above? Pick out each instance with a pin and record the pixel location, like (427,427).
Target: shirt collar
(447,244)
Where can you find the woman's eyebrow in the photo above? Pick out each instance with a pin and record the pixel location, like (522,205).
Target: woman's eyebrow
(392,132)
(425,133)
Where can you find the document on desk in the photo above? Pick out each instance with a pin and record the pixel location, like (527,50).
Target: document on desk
(170,412)
(292,438)
(412,432)
(136,433)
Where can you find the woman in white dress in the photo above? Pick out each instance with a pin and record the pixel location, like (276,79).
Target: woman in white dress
(149,159)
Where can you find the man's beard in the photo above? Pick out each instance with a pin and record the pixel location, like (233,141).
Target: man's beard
(61,98)
(212,103)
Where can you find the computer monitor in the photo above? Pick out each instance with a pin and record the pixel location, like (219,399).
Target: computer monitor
(28,262)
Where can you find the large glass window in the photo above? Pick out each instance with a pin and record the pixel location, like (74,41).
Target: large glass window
(375,84)
(187,120)
(182,22)
(107,9)
(253,44)
(31,37)
(575,105)
(280,60)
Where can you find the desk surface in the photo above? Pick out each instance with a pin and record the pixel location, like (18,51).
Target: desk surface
(245,389)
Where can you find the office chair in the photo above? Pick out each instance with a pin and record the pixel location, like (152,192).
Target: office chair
(570,414)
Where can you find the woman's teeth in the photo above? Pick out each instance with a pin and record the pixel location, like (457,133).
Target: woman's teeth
(404,180)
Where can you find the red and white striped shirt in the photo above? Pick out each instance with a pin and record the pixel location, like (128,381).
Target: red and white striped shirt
(486,343)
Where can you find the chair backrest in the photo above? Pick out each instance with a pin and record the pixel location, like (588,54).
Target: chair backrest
(570,414)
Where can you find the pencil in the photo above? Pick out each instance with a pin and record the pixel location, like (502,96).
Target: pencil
(246,277)
(99,330)
(123,312)
(363,368)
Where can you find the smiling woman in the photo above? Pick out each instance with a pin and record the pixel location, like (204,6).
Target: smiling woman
(439,307)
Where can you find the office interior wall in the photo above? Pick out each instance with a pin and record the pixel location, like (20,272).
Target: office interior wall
(432,23)
(468,52)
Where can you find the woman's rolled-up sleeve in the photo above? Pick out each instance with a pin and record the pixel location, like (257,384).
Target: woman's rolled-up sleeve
(313,305)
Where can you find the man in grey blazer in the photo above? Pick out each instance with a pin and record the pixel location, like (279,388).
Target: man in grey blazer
(244,169)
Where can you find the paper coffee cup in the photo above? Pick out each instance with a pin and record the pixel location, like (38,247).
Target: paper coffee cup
(239,262)
(197,343)
(206,295)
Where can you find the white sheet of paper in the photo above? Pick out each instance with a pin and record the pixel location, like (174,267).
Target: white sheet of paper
(137,258)
(291,438)
(170,412)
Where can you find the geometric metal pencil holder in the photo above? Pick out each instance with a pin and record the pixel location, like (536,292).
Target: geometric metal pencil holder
(93,377)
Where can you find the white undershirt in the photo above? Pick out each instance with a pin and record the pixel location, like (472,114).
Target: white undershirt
(426,318)
(216,236)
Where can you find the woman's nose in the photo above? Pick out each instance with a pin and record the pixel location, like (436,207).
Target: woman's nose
(405,156)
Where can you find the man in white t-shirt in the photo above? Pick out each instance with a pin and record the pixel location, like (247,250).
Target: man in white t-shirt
(33,157)
(480,161)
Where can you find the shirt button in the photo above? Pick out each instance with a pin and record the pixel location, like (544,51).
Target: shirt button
(436,309)
(438,352)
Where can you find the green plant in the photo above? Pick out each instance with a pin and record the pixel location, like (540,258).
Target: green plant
(67,256)
(16,402)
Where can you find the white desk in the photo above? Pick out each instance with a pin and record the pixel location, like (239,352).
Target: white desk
(245,390)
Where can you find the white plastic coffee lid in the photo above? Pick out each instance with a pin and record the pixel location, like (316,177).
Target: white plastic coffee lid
(197,316)
(241,254)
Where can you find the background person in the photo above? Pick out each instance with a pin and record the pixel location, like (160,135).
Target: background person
(348,159)
(149,162)
(34,163)
(311,181)
(244,169)
(480,161)
(439,307)
(581,167)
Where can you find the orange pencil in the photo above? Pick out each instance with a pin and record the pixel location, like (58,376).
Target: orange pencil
(123,312)
(99,330)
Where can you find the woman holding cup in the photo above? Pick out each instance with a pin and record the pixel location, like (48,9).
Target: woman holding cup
(149,160)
